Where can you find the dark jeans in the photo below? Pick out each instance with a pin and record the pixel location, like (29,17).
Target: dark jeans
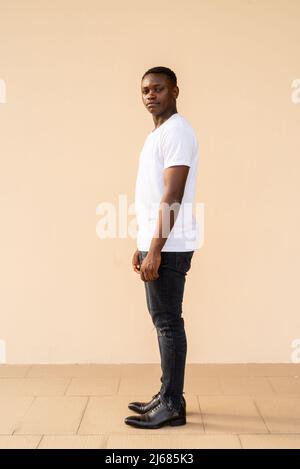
(164,301)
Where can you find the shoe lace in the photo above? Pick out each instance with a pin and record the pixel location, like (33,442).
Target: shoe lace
(155,408)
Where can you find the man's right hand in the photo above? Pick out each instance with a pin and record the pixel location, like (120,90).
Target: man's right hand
(136,262)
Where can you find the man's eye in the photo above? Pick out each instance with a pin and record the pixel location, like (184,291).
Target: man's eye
(157,90)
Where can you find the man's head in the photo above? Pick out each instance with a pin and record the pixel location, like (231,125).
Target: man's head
(159,87)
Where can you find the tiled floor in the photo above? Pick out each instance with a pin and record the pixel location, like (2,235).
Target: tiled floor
(84,406)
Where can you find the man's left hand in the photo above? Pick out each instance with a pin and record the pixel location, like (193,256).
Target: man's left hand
(150,266)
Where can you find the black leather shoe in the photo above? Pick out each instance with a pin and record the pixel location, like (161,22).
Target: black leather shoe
(157,417)
(143,407)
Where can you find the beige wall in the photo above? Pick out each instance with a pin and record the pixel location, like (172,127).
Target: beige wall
(72,126)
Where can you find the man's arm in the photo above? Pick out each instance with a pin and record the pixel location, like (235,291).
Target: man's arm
(174,184)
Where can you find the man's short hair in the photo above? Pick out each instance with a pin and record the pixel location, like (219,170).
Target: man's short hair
(166,71)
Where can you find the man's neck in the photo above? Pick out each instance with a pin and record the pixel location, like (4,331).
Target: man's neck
(159,120)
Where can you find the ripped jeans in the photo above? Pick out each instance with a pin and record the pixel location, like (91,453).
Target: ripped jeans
(164,301)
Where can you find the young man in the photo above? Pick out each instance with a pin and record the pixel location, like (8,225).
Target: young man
(166,241)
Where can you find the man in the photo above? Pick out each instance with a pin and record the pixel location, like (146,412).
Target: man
(166,241)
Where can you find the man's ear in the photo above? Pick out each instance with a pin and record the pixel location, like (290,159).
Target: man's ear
(176,92)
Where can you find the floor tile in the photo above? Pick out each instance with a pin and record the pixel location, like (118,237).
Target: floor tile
(230,414)
(53,416)
(270,441)
(182,441)
(274,369)
(147,385)
(12,410)
(248,386)
(92,386)
(215,370)
(202,385)
(74,371)
(19,441)
(33,386)
(72,442)
(135,370)
(243,369)
(14,371)
(281,414)
(286,384)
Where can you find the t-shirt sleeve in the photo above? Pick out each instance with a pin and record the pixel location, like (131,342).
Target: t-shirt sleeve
(177,147)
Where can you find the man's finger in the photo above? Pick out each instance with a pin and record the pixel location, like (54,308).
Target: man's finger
(142,276)
(147,275)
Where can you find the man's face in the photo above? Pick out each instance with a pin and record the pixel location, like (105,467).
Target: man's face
(158,90)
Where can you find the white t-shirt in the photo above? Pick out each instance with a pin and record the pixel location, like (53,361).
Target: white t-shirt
(173,143)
